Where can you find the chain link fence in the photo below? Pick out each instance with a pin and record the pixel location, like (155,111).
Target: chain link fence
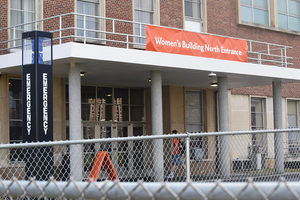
(149,158)
(16,189)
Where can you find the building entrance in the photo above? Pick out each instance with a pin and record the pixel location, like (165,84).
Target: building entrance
(127,157)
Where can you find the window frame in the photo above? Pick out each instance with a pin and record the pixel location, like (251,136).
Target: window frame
(253,7)
(261,139)
(202,20)
(273,19)
(100,23)
(293,144)
(197,143)
(20,29)
(114,106)
(141,42)
(288,15)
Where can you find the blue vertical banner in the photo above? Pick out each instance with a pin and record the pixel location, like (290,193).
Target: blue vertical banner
(37,100)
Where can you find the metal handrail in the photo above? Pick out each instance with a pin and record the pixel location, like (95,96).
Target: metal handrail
(270,47)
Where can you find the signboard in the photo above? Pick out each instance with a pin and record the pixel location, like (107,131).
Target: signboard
(195,44)
(37,102)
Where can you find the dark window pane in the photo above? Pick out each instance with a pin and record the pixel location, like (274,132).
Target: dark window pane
(88,94)
(108,113)
(67,111)
(137,96)
(105,94)
(15,109)
(136,113)
(15,89)
(15,130)
(88,112)
(121,96)
(67,93)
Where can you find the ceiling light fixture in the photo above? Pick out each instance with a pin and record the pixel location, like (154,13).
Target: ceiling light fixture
(214,84)
(82,74)
(211,74)
(149,79)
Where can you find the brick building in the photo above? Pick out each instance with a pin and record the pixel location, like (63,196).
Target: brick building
(104,41)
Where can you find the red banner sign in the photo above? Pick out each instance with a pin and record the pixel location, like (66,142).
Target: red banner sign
(190,43)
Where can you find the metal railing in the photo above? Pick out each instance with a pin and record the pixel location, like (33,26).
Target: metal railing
(122,33)
(133,158)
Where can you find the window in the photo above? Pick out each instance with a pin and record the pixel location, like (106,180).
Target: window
(194,122)
(292,119)
(274,15)
(110,104)
(88,7)
(193,15)
(143,12)
(255,11)
(15,116)
(289,14)
(257,119)
(21,11)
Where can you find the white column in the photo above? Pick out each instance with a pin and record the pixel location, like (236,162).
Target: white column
(76,151)
(224,126)
(278,137)
(157,125)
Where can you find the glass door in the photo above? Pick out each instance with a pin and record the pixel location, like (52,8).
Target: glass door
(92,131)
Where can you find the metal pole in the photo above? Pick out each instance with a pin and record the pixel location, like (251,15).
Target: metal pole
(188,164)
(60,25)
(84,26)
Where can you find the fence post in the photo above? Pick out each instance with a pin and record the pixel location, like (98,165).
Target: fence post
(188,172)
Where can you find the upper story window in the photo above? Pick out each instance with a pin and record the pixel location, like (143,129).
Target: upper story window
(289,14)
(89,23)
(280,15)
(255,11)
(143,12)
(193,15)
(21,11)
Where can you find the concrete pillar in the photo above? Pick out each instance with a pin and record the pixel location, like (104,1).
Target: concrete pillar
(224,126)
(76,151)
(157,125)
(278,137)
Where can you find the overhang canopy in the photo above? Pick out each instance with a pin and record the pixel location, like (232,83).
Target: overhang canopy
(111,66)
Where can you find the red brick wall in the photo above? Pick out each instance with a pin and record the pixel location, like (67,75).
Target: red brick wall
(118,9)
(171,13)
(58,7)
(222,19)
(3,24)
